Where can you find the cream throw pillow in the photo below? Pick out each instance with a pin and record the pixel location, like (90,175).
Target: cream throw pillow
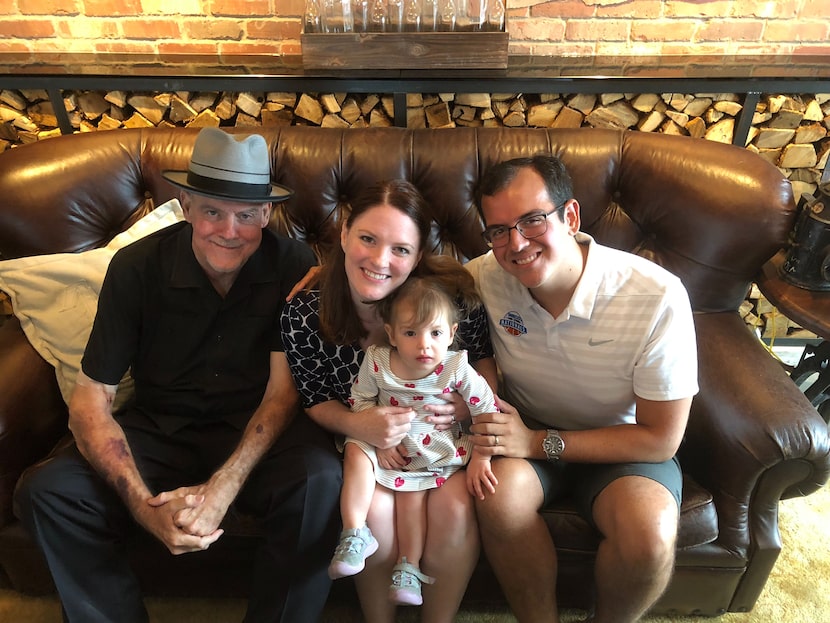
(55,297)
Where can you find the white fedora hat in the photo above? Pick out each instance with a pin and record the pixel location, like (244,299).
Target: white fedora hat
(231,167)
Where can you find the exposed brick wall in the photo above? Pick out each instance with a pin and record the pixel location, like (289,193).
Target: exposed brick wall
(556,27)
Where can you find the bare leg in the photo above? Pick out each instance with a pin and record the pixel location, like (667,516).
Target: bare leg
(358,487)
(373,582)
(411,525)
(452,548)
(636,558)
(517,542)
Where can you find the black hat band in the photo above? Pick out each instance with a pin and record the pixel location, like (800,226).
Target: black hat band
(225,187)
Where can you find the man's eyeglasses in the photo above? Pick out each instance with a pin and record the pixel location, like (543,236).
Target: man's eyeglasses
(531,226)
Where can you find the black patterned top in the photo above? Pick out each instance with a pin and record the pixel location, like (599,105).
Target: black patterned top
(324,371)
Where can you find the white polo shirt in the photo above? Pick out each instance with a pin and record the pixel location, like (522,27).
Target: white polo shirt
(627,331)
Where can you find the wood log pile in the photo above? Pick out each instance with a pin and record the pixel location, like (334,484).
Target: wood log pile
(767,322)
(28,116)
(790,131)
(25,117)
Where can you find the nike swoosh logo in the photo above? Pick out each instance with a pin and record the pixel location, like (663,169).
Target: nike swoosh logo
(593,342)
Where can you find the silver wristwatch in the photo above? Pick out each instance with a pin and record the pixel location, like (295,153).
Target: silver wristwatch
(553,445)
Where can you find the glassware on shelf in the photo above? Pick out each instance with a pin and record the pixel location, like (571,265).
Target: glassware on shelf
(429,15)
(467,15)
(337,16)
(412,12)
(471,15)
(446,15)
(360,15)
(312,17)
(461,20)
(378,16)
(344,16)
(495,15)
(394,21)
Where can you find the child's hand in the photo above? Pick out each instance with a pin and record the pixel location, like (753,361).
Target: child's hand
(480,477)
(392,458)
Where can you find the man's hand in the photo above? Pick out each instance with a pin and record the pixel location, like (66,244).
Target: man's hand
(102,442)
(503,433)
(200,509)
(308,280)
(158,518)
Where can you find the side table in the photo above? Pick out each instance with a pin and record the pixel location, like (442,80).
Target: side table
(810,309)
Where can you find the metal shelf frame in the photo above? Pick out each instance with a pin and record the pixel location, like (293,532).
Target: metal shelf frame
(750,77)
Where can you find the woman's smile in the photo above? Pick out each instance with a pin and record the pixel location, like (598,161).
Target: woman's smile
(373,275)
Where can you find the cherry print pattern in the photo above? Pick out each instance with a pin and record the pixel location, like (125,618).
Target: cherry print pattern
(432,455)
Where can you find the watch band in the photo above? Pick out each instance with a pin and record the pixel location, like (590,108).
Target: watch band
(553,444)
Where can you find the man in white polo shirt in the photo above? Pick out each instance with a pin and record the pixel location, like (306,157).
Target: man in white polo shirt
(599,364)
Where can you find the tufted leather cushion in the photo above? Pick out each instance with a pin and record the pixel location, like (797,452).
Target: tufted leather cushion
(710,213)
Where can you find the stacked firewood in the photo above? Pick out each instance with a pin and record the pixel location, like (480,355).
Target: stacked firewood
(767,322)
(789,131)
(25,117)
(792,133)
(28,116)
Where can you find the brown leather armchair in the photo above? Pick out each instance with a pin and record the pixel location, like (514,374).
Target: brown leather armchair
(711,213)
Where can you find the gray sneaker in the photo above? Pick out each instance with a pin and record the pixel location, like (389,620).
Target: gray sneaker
(406,584)
(354,548)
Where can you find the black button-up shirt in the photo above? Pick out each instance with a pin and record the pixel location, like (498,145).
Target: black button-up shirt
(194,355)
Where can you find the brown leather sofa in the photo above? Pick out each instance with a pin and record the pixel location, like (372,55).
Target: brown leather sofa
(709,212)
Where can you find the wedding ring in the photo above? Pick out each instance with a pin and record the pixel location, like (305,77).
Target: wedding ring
(452,419)
(495,440)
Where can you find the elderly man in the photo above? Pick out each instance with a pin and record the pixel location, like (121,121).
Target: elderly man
(193,312)
(599,362)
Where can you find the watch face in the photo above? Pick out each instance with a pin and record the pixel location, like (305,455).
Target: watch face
(553,445)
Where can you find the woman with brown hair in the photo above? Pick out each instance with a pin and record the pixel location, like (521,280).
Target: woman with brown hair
(326,332)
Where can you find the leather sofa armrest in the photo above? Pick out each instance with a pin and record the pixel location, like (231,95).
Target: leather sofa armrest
(33,416)
(753,437)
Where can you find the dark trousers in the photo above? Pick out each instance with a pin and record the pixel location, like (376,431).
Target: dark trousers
(81,524)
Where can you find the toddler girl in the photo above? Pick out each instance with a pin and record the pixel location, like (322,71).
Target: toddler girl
(420,320)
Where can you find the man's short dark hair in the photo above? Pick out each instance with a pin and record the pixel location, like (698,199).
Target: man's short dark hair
(550,168)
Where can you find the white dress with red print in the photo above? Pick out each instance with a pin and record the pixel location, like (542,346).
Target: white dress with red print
(434,455)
